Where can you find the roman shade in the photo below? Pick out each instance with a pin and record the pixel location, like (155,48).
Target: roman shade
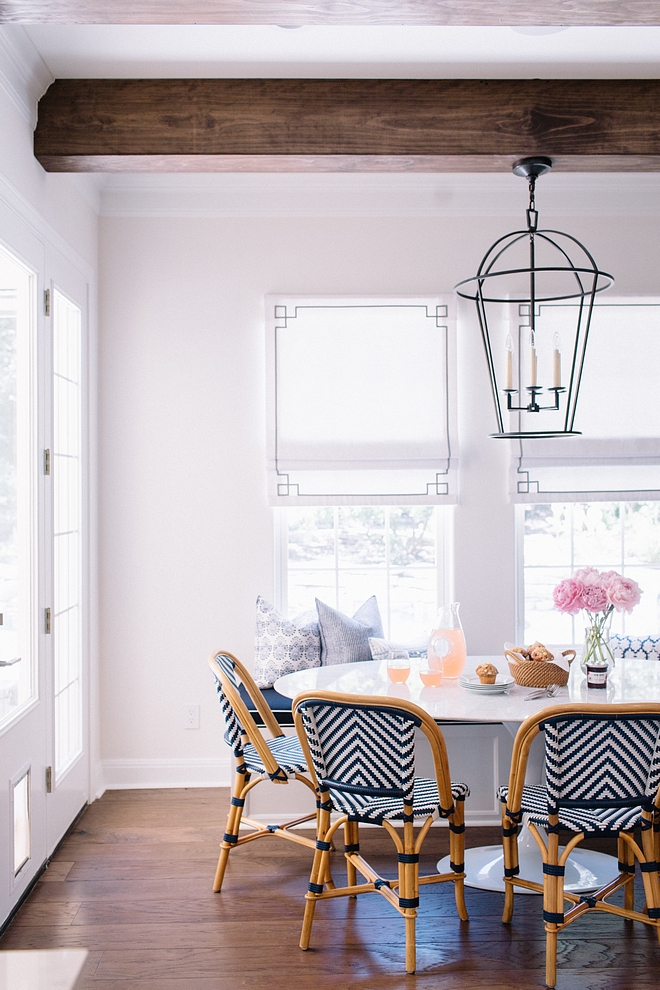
(360,401)
(618,455)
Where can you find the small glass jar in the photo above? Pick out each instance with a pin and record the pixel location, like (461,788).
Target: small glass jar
(597,675)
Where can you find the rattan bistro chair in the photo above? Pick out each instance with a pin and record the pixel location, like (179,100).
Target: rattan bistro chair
(361,756)
(602,767)
(278,759)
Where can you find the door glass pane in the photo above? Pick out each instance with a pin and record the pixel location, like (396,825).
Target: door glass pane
(67,496)
(21,802)
(17,476)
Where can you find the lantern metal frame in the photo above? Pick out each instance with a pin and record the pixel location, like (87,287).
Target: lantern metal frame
(481,289)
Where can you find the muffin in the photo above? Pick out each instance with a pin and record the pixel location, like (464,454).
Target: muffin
(487,672)
(538,651)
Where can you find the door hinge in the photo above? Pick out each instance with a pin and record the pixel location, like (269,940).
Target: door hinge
(46,461)
(46,302)
(49,780)
(47,623)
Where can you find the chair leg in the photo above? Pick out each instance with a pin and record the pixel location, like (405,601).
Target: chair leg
(411,950)
(627,858)
(320,870)
(232,828)
(551,959)
(553,903)
(351,841)
(409,889)
(457,855)
(650,878)
(510,849)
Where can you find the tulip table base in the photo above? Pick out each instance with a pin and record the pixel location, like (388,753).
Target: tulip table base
(586,870)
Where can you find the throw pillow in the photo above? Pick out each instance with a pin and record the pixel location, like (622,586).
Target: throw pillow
(638,647)
(346,640)
(283,646)
(381,647)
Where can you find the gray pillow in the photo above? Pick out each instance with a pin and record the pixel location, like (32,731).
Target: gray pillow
(346,640)
(283,646)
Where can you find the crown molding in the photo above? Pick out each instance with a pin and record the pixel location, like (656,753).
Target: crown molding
(24,75)
(369,195)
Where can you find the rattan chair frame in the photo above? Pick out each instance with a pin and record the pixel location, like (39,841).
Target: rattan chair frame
(405,842)
(242,784)
(552,888)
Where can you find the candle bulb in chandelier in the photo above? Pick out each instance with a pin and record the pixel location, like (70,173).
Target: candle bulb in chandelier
(532,366)
(509,362)
(557,362)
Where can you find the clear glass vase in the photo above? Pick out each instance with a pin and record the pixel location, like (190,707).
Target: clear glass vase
(447,640)
(597,650)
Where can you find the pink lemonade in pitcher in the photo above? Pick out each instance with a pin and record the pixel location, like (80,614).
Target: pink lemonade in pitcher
(447,640)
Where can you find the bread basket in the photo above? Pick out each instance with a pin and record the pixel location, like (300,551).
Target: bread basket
(537,673)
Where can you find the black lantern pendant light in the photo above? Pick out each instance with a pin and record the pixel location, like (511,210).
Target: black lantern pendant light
(534,291)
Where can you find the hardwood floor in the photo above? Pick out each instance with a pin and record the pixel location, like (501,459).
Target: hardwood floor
(132,883)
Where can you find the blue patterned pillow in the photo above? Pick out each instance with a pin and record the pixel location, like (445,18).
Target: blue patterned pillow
(346,640)
(283,646)
(637,647)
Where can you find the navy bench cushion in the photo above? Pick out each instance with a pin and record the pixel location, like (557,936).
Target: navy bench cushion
(278,704)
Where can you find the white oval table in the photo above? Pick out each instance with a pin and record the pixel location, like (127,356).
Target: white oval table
(630,681)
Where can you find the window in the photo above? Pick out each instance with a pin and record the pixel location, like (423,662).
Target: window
(17,487)
(345,554)
(561,537)
(21,809)
(67,549)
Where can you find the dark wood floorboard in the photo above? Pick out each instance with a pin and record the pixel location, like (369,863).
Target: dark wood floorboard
(132,883)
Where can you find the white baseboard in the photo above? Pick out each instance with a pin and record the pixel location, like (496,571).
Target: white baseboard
(131,774)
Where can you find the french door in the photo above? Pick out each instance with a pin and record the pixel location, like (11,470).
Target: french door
(44,770)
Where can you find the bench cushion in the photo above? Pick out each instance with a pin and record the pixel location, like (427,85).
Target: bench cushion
(278,704)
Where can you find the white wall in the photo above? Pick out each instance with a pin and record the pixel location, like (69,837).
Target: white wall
(186,535)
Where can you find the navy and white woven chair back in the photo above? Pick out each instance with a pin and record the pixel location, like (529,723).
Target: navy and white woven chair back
(637,647)
(233,727)
(361,750)
(601,761)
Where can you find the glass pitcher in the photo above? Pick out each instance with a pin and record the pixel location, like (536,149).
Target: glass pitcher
(447,640)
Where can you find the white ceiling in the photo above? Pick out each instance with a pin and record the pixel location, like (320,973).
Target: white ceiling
(161,51)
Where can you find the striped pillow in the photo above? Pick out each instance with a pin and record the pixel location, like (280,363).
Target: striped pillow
(346,640)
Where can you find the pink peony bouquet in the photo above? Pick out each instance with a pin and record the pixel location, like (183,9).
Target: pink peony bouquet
(596,591)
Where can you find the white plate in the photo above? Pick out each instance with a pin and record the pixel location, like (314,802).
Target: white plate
(472,683)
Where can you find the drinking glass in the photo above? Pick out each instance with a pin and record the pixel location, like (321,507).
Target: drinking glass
(431,671)
(398,665)
(447,641)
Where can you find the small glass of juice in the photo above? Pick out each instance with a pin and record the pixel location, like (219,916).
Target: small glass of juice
(398,666)
(431,671)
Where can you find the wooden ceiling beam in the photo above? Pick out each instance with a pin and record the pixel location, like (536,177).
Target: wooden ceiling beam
(346,124)
(295,13)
